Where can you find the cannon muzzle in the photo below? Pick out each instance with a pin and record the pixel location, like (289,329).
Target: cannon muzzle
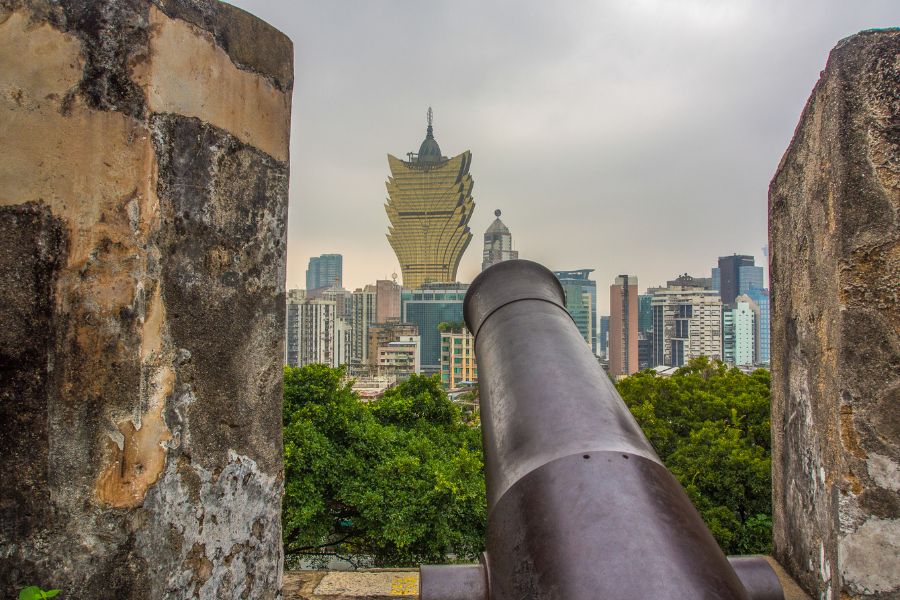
(579,505)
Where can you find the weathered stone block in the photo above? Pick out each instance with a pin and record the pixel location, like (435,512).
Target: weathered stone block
(835,264)
(143,199)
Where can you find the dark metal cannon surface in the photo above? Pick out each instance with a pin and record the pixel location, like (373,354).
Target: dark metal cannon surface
(579,505)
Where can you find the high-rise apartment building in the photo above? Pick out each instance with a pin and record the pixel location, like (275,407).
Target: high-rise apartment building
(381,334)
(623,326)
(343,340)
(760,298)
(428,307)
(387,300)
(738,333)
(315,332)
(398,358)
(727,335)
(687,323)
(364,312)
(458,364)
(292,327)
(343,300)
(744,331)
(581,302)
(497,244)
(325,271)
(429,206)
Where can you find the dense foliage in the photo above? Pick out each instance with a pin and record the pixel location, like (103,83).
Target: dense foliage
(710,426)
(399,480)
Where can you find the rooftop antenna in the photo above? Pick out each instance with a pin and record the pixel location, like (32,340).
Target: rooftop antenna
(429,133)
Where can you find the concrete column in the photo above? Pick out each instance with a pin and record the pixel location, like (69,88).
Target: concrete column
(835,263)
(143,198)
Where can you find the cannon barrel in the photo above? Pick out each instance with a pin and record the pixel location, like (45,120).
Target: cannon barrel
(579,505)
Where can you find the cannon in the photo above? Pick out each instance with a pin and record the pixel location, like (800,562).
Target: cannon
(580,507)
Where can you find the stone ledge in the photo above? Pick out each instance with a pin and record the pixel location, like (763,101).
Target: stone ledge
(792,591)
(385,584)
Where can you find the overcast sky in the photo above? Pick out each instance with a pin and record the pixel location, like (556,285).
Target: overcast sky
(626,136)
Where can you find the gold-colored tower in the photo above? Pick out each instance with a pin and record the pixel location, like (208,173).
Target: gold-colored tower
(429,206)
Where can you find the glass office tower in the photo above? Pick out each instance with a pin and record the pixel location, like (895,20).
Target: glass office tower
(428,307)
(581,302)
(325,271)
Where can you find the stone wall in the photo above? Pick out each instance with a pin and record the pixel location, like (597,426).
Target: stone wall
(835,266)
(143,198)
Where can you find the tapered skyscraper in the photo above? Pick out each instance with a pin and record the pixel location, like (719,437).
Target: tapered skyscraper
(429,206)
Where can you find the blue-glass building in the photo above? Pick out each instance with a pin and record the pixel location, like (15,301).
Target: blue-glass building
(645,313)
(603,340)
(581,302)
(749,278)
(761,298)
(428,307)
(325,271)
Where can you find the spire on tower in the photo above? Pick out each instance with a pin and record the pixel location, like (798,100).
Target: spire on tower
(429,151)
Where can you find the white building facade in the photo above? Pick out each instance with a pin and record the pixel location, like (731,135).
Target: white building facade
(687,323)
(316,325)
(400,358)
(744,332)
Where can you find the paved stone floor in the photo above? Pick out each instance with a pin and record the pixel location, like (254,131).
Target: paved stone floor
(375,584)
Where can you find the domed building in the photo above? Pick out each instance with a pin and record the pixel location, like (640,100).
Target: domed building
(429,206)
(497,243)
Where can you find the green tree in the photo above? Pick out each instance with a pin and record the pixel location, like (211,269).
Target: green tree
(710,426)
(399,479)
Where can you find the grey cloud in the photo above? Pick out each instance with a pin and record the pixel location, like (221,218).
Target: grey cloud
(632,136)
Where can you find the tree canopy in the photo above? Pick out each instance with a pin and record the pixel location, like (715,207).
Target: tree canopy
(399,479)
(710,426)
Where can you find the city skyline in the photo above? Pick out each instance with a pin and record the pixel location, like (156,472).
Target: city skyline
(645,126)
